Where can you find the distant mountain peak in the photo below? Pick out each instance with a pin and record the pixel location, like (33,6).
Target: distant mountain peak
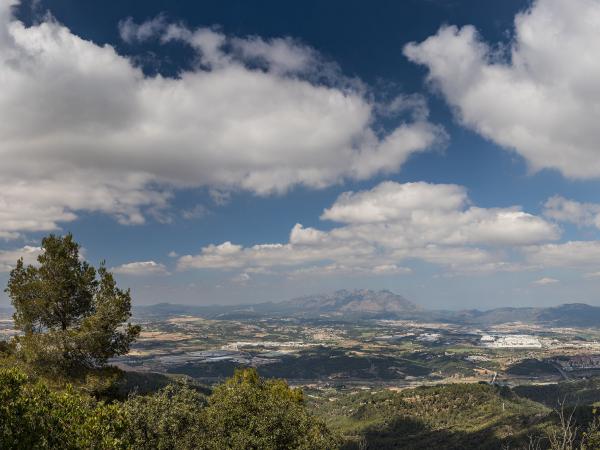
(355,301)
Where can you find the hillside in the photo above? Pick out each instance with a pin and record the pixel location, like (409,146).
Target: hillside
(455,416)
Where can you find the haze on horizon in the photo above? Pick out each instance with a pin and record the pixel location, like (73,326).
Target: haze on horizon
(230,153)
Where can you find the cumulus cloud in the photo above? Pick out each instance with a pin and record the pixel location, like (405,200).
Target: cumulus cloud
(141,268)
(565,210)
(132,32)
(391,201)
(84,129)
(8,258)
(540,97)
(545,281)
(241,278)
(386,226)
(578,254)
(428,213)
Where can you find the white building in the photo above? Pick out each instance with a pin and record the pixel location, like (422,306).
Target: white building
(511,341)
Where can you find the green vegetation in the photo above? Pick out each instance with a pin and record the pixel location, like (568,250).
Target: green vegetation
(532,367)
(169,419)
(456,416)
(246,412)
(71,315)
(575,393)
(447,416)
(32,416)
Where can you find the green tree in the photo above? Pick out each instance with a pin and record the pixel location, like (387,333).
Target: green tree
(245,413)
(35,417)
(248,412)
(167,420)
(71,315)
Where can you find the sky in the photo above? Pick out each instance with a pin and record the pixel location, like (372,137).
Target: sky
(229,152)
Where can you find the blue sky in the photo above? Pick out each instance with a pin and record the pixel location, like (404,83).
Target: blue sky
(229,152)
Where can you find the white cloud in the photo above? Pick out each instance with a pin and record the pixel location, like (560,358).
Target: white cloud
(196,212)
(83,129)
(220,198)
(329,270)
(283,55)
(565,210)
(241,278)
(425,213)
(388,269)
(8,258)
(578,254)
(228,255)
(390,201)
(386,226)
(141,268)
(40,202)
(545,281)
(541,98)
(132,32)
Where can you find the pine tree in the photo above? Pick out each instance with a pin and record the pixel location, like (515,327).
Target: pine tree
(71,315)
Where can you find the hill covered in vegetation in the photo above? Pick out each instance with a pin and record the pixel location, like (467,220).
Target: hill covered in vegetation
(455,416)
(243,413)
(109,410)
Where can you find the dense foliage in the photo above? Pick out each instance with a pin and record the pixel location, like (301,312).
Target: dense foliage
(246,412)
(34,417)
(172,418)
(456,416)
(71,315)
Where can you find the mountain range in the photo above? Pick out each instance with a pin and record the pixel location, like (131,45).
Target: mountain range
(570,314)
(362,304)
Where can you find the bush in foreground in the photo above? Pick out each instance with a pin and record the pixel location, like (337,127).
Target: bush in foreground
(248,412)
(34,417)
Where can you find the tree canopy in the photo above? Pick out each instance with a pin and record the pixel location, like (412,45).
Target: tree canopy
(71,315)
(250,412)
(245,413)
(32,416)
